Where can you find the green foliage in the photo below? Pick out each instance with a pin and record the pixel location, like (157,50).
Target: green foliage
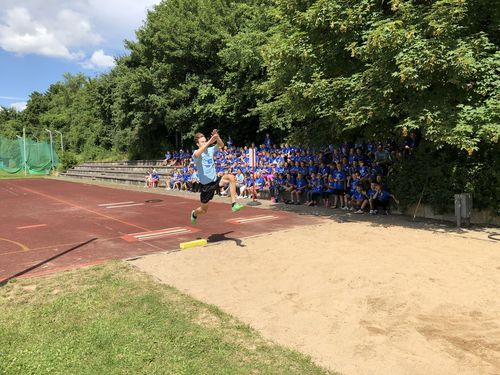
(437,175)
(68,160)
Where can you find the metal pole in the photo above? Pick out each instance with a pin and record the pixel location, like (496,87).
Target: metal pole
(51,151)
(253,160)
(20,138)
(62,144)
(25,156)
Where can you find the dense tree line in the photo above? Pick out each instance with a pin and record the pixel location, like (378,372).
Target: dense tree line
(314,71)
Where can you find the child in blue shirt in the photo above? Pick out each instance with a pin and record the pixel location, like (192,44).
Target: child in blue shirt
(380,200)
(339,192)
(289,184)
(359,200)
(315,191)
(329,190)
(300,188)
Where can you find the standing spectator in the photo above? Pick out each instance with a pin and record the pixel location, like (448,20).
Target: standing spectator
(382,157)
(339,192)
(267,141)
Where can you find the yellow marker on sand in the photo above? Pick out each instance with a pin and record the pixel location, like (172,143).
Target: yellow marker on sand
(187,245)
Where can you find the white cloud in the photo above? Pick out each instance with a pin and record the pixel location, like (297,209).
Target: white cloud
(111,20)
(99,60)
(22,34)
(71,29)
(20,106)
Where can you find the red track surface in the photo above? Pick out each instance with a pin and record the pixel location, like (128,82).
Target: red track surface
(40,219)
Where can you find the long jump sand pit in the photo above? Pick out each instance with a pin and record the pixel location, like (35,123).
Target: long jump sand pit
(359,298)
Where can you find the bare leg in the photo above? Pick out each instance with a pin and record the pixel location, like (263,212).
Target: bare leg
(229,179)
(201,210)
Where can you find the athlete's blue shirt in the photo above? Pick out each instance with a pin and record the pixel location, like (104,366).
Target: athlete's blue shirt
(205,165)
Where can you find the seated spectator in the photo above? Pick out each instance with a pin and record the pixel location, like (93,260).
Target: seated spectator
(259,183)
(148,178)
(240,183)
(359,200)
(289,185)
(315,191)
(276,187)
(155,178)
(248,191)
(300,188)
(177,180)
(380,200)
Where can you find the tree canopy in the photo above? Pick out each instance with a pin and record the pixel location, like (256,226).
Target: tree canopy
(321,70)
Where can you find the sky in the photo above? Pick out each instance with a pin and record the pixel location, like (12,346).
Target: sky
(40,40)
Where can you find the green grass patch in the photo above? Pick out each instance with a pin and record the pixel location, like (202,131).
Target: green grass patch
(113,319)
(6,176)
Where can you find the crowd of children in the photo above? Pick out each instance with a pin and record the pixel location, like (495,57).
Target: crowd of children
(347,176)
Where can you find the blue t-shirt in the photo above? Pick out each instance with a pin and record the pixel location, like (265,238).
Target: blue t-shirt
(312,169)
(364,170)
(317,186)
(358,196)
(383,196)
(324,170)
(371,193)
(330,186)
(339,179)
(259,182)
(205,165)
(301,183)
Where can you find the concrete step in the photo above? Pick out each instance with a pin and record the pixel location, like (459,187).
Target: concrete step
(127,170)
(136,163)
(115,179)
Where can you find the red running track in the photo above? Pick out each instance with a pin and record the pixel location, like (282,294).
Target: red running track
(88,224)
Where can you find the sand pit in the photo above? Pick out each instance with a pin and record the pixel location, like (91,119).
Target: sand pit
(359,298)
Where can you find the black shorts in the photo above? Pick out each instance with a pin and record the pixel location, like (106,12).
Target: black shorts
(378,204)
(207,191)
(338,191)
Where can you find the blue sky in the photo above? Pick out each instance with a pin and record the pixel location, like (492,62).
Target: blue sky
(40,40)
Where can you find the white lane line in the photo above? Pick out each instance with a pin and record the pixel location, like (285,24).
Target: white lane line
(152,234)
(127,205)
(114,204)
(32,226)
(144,236)
(259,218)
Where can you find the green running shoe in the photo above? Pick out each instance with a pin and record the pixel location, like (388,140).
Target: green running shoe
(193,218)
(237,207)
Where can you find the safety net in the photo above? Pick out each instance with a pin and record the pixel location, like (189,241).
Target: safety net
(19,154)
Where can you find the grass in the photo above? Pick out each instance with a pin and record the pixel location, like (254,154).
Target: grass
(112,319)
(7,176)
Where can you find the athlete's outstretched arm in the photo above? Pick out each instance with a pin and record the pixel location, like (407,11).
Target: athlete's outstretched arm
(220,143)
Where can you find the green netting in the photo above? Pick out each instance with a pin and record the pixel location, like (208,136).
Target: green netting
(39,158)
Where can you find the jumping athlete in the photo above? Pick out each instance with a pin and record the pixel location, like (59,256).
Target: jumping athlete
(209,181)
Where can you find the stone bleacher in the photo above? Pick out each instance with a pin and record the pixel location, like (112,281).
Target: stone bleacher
(124,172)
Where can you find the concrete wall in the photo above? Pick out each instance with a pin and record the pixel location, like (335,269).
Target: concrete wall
(478,217)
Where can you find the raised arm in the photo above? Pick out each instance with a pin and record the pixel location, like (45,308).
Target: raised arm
(220,143)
